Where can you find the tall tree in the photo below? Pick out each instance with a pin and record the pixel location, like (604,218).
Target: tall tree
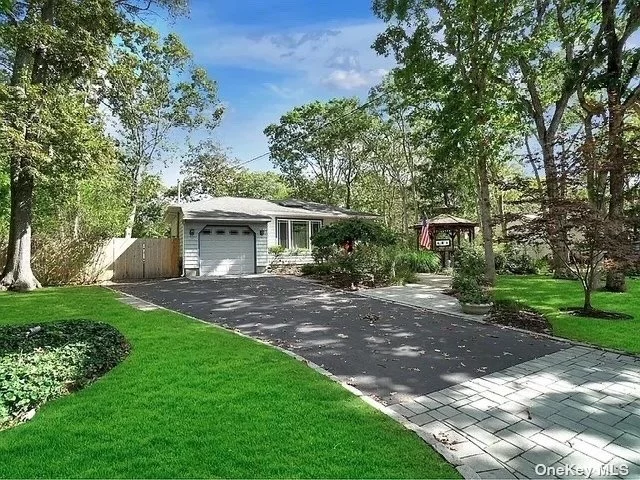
(396,110)
(556,47)
(320,145)
(621,21)
(251,184)
(152,100)
(457,44)
(55,47)
(207,170)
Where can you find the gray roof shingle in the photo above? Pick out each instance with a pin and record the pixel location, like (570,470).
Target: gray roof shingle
(238,208)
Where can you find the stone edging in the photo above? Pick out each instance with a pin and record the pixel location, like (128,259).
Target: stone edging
(466,472)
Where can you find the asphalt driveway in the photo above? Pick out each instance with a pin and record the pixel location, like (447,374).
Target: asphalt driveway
(389,351)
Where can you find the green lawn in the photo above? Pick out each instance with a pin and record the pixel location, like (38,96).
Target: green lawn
(549,296)
(192,400)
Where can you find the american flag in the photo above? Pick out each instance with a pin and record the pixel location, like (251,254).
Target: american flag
(425,238)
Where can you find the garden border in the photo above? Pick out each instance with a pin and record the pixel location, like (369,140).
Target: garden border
(517,329)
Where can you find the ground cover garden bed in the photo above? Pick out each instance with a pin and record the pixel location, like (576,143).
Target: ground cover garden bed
(44,361)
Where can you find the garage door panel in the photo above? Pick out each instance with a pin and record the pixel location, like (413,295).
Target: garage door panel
(227,250)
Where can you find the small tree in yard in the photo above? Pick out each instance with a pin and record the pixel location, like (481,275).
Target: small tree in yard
(588,234)
(579,223)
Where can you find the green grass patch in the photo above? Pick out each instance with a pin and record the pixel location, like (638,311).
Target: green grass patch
(548,296)
(191,400)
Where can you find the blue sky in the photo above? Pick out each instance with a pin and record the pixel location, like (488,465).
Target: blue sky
(271,55)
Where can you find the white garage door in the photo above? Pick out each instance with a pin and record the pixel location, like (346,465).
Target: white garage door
(227,250)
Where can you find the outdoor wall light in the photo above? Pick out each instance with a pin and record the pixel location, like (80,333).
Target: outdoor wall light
(262,233)
(192,232)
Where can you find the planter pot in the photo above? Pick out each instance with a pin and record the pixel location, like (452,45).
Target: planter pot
(476,308)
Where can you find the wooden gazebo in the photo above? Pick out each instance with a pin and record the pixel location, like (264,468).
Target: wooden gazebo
(447,233)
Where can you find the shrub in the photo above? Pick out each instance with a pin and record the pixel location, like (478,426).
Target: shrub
(316,268)
(472,292)
(469,267)
(39,363)
(354,231)
(516,261)
(420,261)
(354,251)
(369,264)
(276,251)
(63,260)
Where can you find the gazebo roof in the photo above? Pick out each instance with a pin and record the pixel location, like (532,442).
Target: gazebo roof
(446,220)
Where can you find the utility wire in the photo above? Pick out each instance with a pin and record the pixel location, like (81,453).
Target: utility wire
(521,15)
(313,131)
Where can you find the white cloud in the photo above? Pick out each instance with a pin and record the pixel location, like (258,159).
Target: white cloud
(346,79)
(339,57)
(284,92)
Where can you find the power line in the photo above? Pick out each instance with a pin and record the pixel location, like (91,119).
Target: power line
(323,126)
(505,27)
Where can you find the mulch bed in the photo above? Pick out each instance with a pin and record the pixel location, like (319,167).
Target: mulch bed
(515,315)
(593,313)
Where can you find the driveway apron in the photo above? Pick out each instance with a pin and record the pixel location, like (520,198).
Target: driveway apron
(389,351)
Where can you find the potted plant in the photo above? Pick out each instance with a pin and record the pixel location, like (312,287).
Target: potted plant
(474,299)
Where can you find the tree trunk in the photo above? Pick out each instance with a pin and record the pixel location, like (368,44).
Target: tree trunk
(503,218)
(17,273)
(616,281)
(484,205)
(128,232)
(29,68)
(587,298)
(558,247)
(7,273)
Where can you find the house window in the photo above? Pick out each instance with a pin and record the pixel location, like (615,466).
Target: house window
(315,226)
(300,235)
(296,234)
(283,233)
(206,232)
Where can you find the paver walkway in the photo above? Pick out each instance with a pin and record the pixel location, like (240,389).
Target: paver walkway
(502,402)
(575,408)
(427,294)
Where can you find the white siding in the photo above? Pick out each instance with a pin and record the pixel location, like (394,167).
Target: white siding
(192,256)
(262,250)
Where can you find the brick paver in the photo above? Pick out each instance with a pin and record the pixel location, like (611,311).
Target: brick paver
(575,409)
